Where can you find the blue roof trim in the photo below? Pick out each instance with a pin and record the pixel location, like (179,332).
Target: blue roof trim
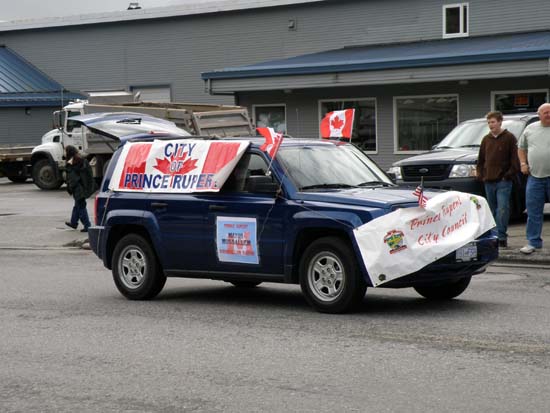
(22,84)
(37,99)
(487,49)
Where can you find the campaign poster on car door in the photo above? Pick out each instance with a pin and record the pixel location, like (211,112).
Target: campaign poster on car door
(408,239)
(236,240)
(176,166)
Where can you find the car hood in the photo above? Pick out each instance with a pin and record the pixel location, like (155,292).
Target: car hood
(373,197)
(465,155)
(123,124)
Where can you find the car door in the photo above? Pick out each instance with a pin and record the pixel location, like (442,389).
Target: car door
(246,226)
(182,224)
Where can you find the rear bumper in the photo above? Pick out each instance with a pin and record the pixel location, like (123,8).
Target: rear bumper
(98,239)
(447,268)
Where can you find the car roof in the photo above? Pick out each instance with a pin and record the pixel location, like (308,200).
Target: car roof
(256,141)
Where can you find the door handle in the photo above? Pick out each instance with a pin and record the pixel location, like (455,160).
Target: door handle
(217,207)
(158,205)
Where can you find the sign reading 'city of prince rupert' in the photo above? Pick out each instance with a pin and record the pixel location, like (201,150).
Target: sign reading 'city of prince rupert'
(408,239)
(176,165)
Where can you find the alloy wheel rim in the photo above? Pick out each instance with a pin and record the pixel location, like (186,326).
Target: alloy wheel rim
(132,267)
(326,276)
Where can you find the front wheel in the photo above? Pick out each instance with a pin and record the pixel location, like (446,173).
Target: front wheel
(330,277)
(444,291)
(136,271)
(45,175)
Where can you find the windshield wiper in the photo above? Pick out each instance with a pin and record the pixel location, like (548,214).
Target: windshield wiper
(469,146)
(372,183)
(443,147)
(327,186)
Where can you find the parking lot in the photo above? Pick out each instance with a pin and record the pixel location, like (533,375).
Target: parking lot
(71,343)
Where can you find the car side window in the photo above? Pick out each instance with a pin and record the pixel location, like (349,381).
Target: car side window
(251,164)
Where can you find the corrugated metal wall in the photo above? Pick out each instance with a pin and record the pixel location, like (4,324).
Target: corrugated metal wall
(175,51)
(19,128)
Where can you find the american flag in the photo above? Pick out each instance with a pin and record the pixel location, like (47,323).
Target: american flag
(419,193)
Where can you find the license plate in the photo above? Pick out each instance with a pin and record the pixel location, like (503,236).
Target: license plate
(467,253)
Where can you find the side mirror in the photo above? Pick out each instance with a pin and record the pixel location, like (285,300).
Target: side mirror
(392,176)
(261,184)
(58,119)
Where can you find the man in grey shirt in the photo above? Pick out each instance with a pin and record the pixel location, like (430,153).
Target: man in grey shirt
(534,157)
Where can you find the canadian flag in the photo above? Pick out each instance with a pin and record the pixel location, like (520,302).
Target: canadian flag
(272,140)
(338,124)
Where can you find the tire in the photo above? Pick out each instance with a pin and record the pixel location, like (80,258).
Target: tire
(143,277)
(17,179)
(330,277)
(444,291)
(45,175)
(245,284)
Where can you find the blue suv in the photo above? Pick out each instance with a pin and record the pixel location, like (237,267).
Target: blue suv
(306,203)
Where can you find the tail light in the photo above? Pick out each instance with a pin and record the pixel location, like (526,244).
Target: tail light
(96,215)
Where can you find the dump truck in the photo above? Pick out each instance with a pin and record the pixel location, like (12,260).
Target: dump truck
(15,162)
(47,165)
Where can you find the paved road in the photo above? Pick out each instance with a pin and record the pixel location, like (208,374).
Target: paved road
(69,342)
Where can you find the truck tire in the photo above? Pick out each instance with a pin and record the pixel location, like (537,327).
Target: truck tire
(444,291)
(17,179)
(45,175)
(136,271)
(330,277)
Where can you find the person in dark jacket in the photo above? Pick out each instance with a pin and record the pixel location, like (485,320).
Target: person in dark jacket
(80,184)
(497,167)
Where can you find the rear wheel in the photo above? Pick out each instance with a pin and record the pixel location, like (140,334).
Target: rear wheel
(445,290)
(136,271)
(45,175)
(329,276)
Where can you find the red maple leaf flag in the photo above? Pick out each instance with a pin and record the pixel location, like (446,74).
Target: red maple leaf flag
(338,124)
(272,140)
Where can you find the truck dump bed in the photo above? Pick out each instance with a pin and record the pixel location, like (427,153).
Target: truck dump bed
(197,119)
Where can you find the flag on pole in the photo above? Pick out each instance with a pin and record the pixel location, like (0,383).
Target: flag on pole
(338,124)
(419,193)
(272,140)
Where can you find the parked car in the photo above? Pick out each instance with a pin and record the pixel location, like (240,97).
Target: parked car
(451,164)
(306,206)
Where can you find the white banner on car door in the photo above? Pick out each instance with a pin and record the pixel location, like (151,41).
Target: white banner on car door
(408,239)
(176,166)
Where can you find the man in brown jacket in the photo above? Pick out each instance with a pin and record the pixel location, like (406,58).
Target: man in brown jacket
(497,167)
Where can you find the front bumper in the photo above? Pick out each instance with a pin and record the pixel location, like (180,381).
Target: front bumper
(469,185)
(447,268)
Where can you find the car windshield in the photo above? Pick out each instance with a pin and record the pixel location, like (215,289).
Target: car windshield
(330,166)
(469,134)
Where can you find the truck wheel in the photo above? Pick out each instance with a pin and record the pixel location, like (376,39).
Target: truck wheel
(17,179)
(444,291)
(330,277)
(44,175)
(245,284)
(136,271)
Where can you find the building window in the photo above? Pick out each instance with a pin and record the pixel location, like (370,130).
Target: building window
(364,125)
(515,101)
(270,116)
(455,20)
(422,121)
